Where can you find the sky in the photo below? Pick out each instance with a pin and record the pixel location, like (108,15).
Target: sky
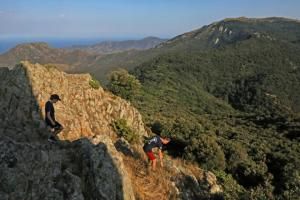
(127,18)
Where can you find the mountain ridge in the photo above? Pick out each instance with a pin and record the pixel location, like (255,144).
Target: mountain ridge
(248,26)
(208,36)
(109,47)
(215,35)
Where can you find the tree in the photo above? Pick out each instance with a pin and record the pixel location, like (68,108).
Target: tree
(123,84)
(205,150)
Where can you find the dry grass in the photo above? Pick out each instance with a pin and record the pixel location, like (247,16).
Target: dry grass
(190,166)
(148,184)
(159,184)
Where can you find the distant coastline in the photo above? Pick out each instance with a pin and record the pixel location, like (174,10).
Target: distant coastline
(8,43)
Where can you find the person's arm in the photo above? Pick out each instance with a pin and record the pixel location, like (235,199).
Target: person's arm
(50,118)
(161,157)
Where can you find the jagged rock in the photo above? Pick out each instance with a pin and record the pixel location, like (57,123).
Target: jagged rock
(84,111)
(74,168)
(78,170)
(123,146)
(118,161)
(30,167)
(211,179)
(196,184)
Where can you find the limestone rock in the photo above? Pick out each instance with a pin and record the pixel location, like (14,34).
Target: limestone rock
(72,171)
(194,184)
(89,161)
(32,168)
(83,111)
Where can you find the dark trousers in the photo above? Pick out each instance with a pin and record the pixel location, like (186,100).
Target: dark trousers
(57,127)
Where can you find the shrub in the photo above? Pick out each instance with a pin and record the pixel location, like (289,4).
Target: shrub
(205,150)
(123,84)
(231,189)
(94,84)
(50,66)
(123,130)
(235,153)
(249,174)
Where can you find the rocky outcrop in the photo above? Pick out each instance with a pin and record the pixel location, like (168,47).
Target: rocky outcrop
(89,162)
(32,168)
(83,111)
(191,182)
(72,171)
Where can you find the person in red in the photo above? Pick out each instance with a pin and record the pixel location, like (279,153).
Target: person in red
(155,142)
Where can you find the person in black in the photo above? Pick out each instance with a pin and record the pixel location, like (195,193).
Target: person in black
(54,126)
(155,142)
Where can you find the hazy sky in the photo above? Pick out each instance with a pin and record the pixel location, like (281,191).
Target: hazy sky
(127,18)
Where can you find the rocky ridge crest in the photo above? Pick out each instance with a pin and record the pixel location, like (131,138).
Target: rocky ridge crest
(87,163)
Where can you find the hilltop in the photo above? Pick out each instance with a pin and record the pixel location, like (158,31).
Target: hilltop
(215,35)
(67,60)
(78,58)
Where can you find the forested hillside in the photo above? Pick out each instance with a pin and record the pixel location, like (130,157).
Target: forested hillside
(228,95)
